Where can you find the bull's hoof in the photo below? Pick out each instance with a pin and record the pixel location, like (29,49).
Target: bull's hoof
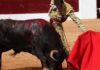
(45,68)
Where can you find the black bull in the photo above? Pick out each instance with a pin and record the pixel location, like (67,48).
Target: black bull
(37,37)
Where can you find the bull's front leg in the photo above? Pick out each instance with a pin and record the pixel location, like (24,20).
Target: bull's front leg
(53,65)
(43,59)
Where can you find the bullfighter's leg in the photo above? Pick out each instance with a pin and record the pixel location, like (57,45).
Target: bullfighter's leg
(60,31)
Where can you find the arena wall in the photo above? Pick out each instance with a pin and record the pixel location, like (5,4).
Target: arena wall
(87,10)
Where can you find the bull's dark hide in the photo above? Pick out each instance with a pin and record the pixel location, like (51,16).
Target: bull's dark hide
(35,36)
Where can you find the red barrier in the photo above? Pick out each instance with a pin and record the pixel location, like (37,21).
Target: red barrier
(29,6)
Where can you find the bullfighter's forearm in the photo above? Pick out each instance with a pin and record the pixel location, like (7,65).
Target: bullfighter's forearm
(77,21)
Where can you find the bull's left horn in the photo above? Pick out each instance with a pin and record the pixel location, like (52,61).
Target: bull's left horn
(52,54)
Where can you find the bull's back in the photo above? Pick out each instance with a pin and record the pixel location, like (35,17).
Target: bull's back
(19,32)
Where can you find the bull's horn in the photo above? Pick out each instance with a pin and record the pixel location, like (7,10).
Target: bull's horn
(52,54)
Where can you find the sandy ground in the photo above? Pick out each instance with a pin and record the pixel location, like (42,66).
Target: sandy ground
(26,61)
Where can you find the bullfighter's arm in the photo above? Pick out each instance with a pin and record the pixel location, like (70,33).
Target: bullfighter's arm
(77,21)
(70,13)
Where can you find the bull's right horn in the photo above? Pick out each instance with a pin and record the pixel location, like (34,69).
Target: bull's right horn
(52,54)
